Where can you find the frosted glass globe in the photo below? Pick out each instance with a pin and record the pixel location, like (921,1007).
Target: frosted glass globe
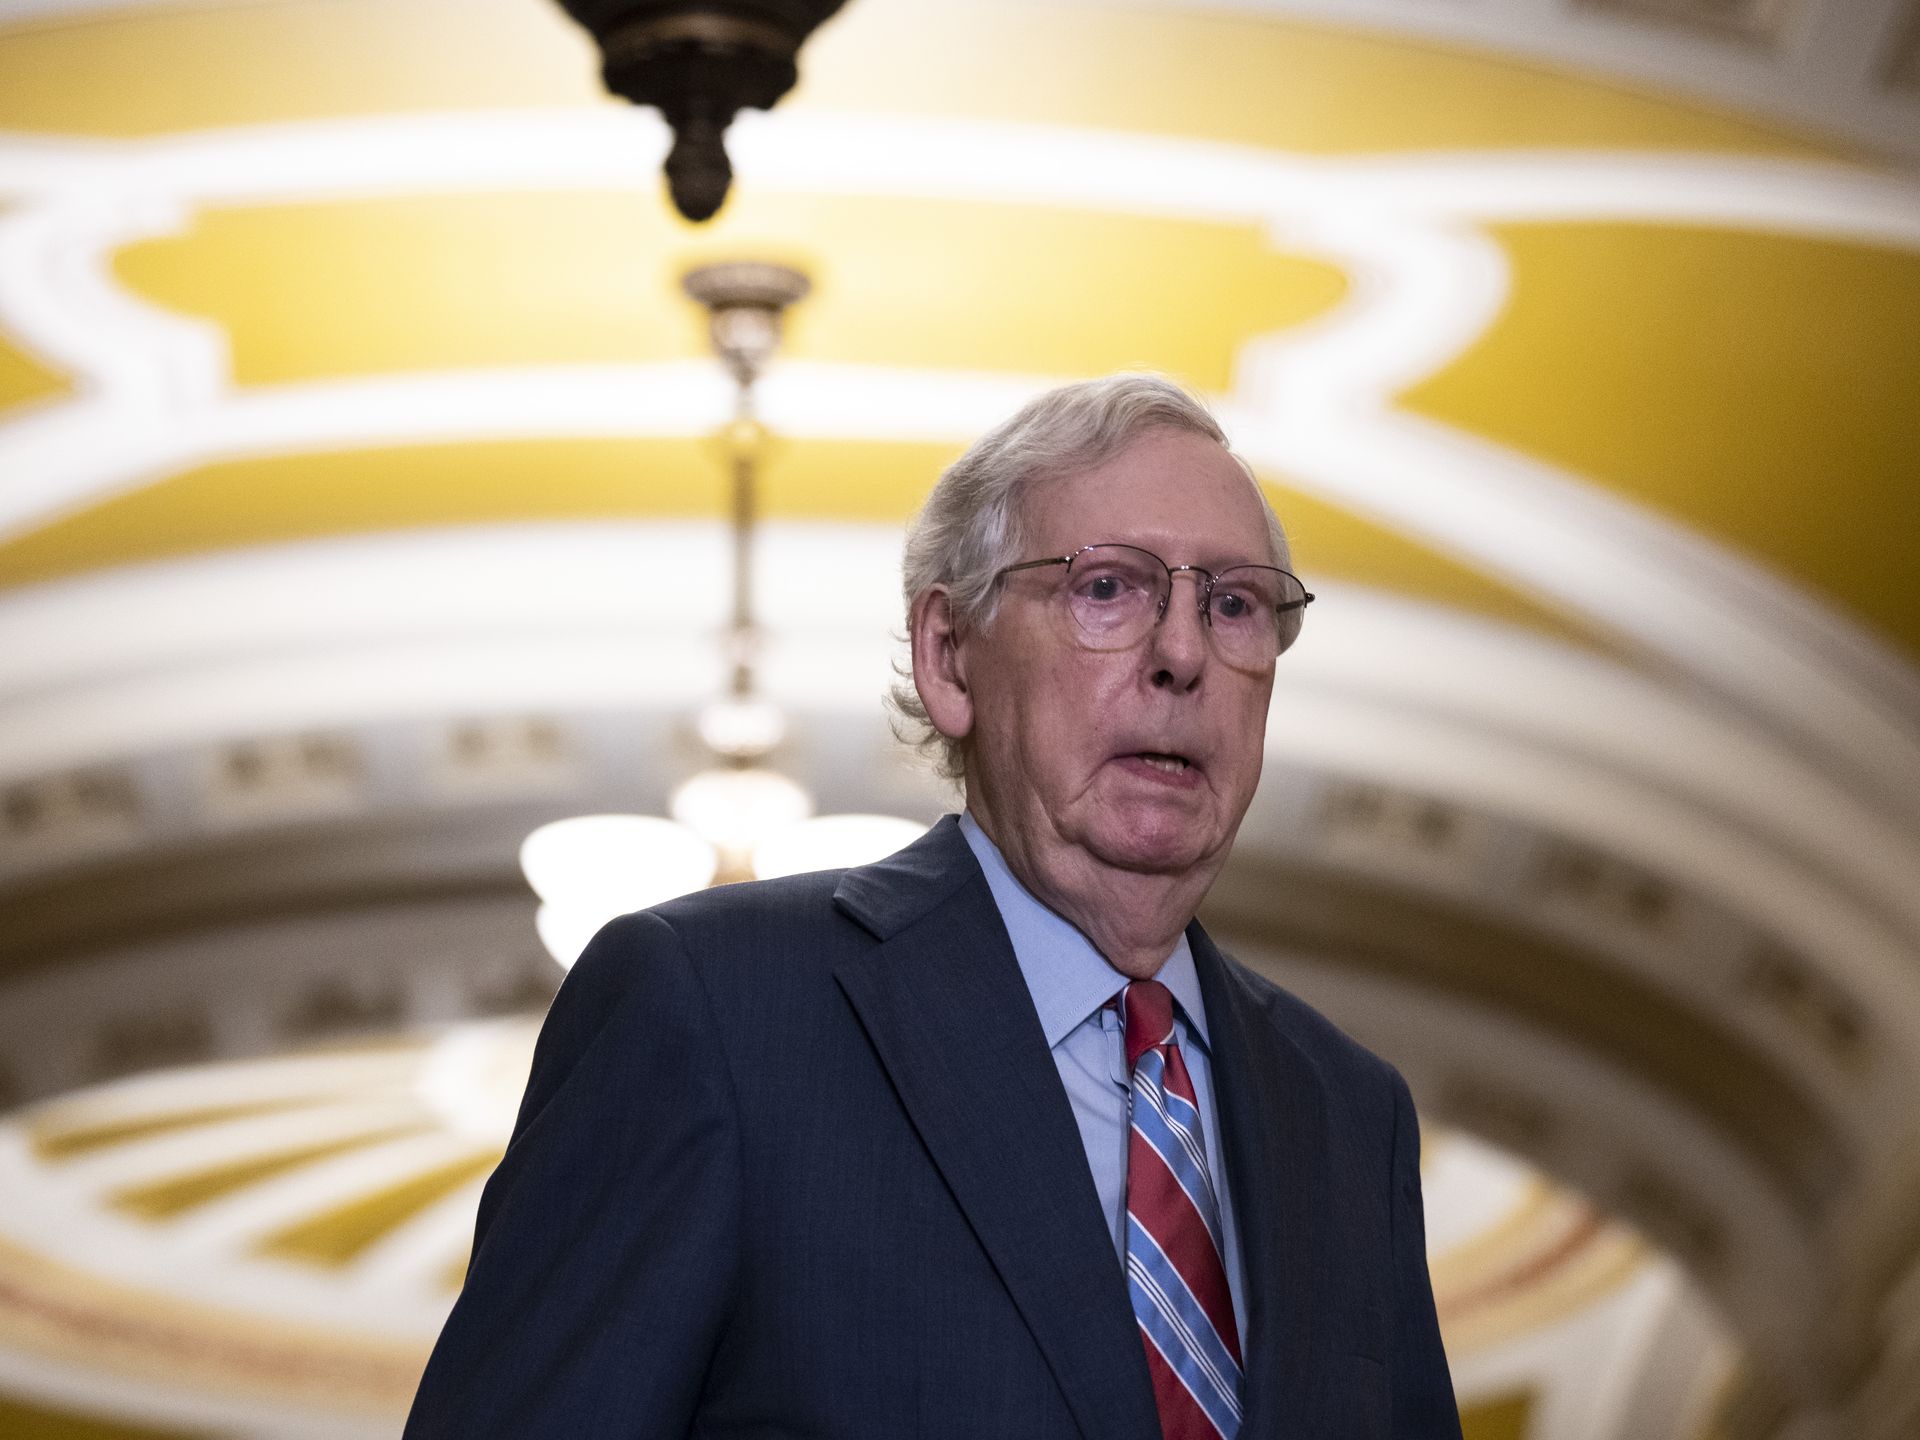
(590,868)
(732,808)
(829,842)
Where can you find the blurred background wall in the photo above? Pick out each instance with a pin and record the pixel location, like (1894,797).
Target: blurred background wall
(362,508)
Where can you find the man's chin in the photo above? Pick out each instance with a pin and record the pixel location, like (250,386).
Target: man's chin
(1150,845)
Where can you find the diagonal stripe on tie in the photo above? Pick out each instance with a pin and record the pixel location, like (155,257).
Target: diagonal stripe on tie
(1181,1414)
(1175,1273)
(1177,1153)
(1187,1250)
(1169,1313)
(1168,1111)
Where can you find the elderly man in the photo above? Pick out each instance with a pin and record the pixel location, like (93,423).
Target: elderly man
(987,1139)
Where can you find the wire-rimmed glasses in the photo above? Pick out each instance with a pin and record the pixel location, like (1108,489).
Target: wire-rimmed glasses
(1117,593)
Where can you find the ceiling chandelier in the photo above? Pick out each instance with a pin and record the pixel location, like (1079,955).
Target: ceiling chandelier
(700,62)
(738,818)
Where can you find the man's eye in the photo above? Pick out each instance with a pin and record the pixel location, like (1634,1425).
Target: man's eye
(1104,587)
(1231,607)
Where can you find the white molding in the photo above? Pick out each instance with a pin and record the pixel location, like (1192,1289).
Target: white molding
(1313,402)
(1826,75)
(587,618)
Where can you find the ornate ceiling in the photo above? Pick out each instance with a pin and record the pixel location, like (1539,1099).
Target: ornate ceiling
(281,1262)
(358,511)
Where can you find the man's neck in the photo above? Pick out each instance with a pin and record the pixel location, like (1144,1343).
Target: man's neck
(1133,919)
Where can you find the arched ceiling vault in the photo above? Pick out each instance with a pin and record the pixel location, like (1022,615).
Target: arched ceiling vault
(1468,879)
(355,487)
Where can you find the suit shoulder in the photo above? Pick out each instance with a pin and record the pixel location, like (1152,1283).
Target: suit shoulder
(753,904)
(706,927)
(763,931)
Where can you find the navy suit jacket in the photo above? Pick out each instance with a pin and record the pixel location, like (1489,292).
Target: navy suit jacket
(795,1161)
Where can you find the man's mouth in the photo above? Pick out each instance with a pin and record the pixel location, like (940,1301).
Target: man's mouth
(1170,764)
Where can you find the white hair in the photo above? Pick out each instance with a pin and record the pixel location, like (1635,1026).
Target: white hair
(970,529)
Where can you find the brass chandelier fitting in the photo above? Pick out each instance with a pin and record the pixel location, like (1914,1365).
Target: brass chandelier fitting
(700,62)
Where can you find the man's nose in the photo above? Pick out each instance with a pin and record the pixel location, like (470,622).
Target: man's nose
(1179,638)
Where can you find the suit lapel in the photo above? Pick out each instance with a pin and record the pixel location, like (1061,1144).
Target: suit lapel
(1273,1128)
(943,1002)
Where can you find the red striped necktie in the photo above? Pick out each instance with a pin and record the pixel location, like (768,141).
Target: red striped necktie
(1175,1267)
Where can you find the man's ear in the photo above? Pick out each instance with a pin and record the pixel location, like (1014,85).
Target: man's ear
(939,667)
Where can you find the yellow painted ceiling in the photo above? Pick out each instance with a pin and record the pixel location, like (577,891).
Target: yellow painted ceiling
(456,281)
(59,1136)
(1755,387)
(1762,389)
(148,70)
(21,1419)
(292,497)
(339,1236)
(24,378)
(1247,79)
(176,1195)
(1502,1419)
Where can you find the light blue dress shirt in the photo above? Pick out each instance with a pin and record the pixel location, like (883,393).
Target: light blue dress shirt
(1071,983)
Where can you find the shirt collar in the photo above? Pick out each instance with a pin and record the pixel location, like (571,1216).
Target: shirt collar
(1069,979)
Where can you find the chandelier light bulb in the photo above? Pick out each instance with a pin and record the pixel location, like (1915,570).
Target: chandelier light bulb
(589,868)
(832,842)
(743,728)
(733,807)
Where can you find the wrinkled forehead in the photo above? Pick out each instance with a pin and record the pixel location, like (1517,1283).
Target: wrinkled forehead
(1193,492)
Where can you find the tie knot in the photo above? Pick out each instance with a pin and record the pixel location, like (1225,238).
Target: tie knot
(1147,1008)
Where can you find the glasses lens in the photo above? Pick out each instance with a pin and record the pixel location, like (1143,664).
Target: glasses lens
(1255,612)
(1114,592)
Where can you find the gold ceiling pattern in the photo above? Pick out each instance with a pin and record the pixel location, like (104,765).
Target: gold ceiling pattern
(1758,388)
(25,379)
(233,1209)
(1241,79)
(1743,384)
(471,280)
(1751,385)
(296,497)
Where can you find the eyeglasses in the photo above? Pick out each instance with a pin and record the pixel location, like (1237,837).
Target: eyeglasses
(1117,593)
